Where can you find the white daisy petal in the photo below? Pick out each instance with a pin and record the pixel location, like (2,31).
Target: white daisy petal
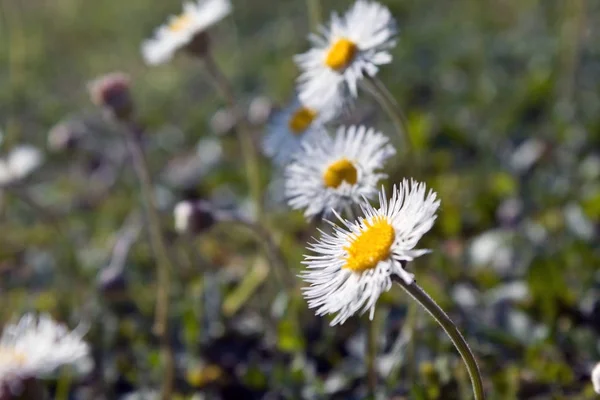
(332,174)
(350,47)
(351,267)
(290,127)
(35,347)
(197,17)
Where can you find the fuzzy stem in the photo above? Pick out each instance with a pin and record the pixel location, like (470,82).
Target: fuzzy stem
(244,133)
(371,343)
(314,13)
(272,251)
(421,297)
(164,263)
(392,108)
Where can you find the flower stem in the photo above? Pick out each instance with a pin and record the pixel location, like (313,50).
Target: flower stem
(392,108)
(421,297)
(164,263)
(371,352)
(314,13)
(244,133)
(272,251)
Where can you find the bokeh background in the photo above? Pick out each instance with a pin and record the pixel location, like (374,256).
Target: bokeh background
(503,103)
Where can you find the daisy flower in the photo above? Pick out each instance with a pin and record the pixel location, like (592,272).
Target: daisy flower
(596,378)
(180,30)
(35,347)
(19,163)
(335,173)
(353,45)
(352,266)
(289,127)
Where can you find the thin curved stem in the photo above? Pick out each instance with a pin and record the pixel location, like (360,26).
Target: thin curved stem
(392,108)
(164,263)
(314,13)
(371,343)
(421,297)
(244,133)
(273,253)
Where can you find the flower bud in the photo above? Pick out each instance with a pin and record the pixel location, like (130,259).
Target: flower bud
(112,92)
(596,378)
(65,135)
(199,45)
(193,217)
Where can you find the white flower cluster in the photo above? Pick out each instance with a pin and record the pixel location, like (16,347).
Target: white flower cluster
(335,173)
(35,347)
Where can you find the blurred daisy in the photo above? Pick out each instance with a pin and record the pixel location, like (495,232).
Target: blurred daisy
(333,174)
(180,30)
(353,45)
(351,267)
(35,347)
(19,163)
(596,378)
(289,127)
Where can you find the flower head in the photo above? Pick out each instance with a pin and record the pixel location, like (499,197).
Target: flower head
(112,91)
(19,163)
(352,266)
(293,125)
(335,173)
(180,30)
(35,347)
(352,46)
(596,378)
(193,216)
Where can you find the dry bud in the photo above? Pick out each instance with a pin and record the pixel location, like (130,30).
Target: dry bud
(193,217)
(112,91)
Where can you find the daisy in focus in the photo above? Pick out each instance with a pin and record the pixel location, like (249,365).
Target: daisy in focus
(180,30)
(289,127)
(351,267)
(352,46)
(35,347)
(333,174)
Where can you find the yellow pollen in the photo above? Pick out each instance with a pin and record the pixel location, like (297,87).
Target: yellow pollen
(179,23)
(10,356)
(372,245)
(341,54)
(338,172)
(301,120)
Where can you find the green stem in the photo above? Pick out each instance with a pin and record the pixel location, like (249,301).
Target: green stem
(314,13)
(272,251)
(421,297)
(392,108)
(164,263)
(371,352)
(244,133)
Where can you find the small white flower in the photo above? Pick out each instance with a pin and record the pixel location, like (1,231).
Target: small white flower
(19,163)
(352,266)
(35,347)
(353,45)
(596,378)
(333,174)
(294,124)
(197,16)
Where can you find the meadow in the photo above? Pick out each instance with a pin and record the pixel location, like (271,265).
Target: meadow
(500,103)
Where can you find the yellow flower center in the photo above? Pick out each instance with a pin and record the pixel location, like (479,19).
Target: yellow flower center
(179,23)
(301,120)
(341,54)
(338,172)
(12,357)
(371,246)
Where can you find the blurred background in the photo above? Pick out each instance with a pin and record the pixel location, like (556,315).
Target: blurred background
(503,102)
